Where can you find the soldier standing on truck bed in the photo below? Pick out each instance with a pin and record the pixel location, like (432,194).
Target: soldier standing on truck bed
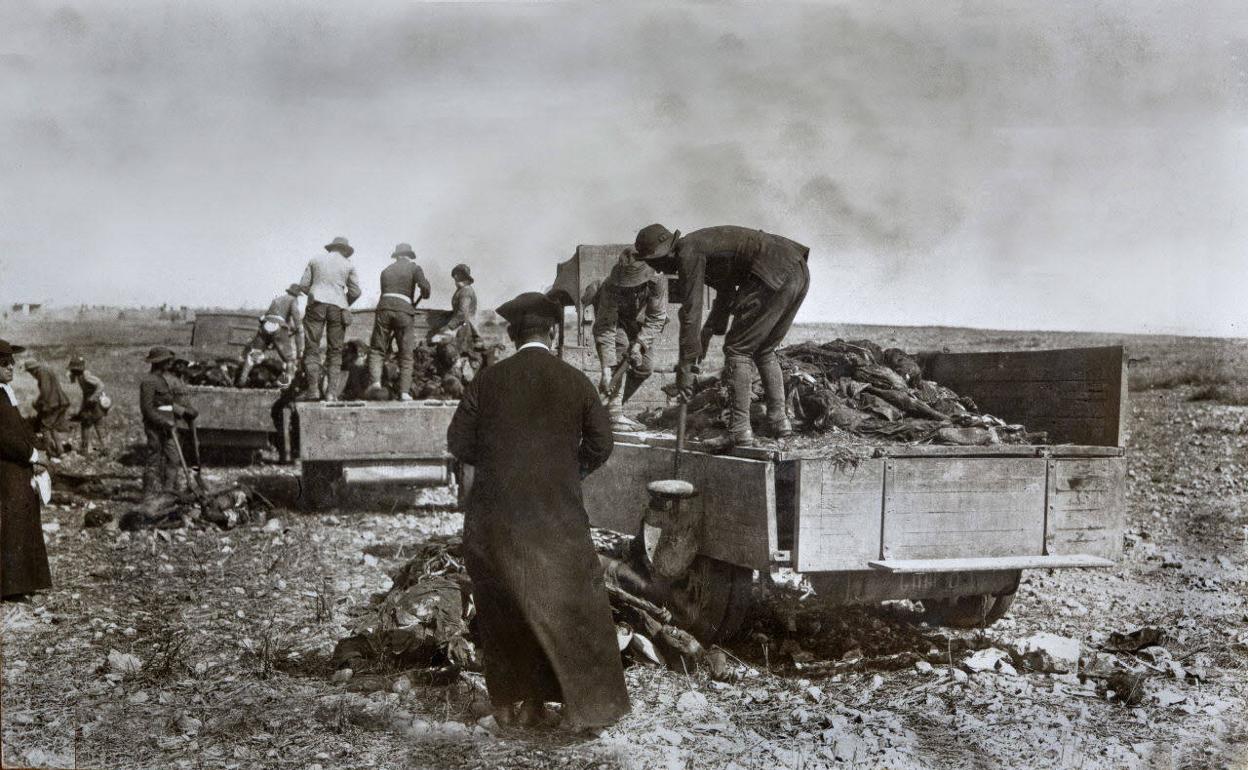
(396,318)
(281,328)
(760,281)
(162,400)
(630,311)
(332,287)
(95,402)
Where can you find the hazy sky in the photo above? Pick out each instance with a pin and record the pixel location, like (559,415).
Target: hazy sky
(1073,165)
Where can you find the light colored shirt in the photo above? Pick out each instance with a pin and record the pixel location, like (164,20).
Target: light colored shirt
(331,278)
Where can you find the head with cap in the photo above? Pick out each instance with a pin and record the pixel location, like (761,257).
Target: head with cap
(461,274)
(8,351)
(532,317)
(77,365)
(654,244)
(30,365)
(341,246)
(403,250)
(160,357)
(294,290)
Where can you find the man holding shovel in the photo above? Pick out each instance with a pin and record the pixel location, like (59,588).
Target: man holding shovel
(760,281)
(630,311)
(162,400)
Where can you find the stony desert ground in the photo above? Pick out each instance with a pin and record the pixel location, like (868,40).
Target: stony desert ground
(231,632)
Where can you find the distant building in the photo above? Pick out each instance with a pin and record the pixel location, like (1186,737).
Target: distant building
(26,308)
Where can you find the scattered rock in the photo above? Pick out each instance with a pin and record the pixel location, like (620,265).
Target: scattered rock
(342,675)
(986,659)
(123,663)
(1138,639)
(1048,653)
(923,667)
(692,704)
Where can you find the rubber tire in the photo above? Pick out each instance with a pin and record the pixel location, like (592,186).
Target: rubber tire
(319,484)
(712,601)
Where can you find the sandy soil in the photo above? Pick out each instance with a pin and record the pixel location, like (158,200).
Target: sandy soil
(231,632)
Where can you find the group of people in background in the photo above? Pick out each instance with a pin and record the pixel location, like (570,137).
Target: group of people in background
(332,286)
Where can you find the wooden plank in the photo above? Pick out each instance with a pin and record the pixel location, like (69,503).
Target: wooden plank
(1077,395)
(233,409)
(1087,507)
(736,499)
(939,508)
(361,430)
(1069,561)
(838,514)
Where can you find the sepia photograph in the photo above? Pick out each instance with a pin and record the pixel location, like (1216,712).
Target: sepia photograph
(575,384)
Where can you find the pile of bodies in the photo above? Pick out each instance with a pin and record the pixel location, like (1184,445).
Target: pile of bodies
(425,620)
(858,389)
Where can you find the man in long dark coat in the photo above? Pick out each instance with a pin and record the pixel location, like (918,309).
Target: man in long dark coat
(531,427)
(760,280)
(23,556)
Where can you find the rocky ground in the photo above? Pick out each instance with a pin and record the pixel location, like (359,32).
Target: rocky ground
(201,648)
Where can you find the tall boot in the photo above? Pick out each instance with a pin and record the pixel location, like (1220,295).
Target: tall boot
(773,393)
(333,382)
(738,374)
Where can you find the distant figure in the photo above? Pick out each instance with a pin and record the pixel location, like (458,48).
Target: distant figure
(396,317)
(630,311)
(95,402)
(531,427)
(51,407)
(463,311)
(23,555)
(281,329)
(332,287)
(162,400)
(760,281)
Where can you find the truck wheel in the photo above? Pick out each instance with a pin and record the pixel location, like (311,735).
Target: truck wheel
(712,600)
(319,482)
(977,611)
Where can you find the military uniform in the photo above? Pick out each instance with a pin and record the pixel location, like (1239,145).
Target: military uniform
(51,406)
(760,281)
(281,329)
(396,316)
(630,311)
(162,400)
(95,403)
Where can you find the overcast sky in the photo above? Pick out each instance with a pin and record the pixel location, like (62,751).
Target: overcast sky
(1075,165)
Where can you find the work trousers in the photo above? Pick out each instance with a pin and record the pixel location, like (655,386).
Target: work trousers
(50,423)
(89,418)
(761,318)
(281,340)
(394,325)
(161,463)
(640,367)
(331,321)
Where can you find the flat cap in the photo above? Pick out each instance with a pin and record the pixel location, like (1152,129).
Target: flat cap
(531,307)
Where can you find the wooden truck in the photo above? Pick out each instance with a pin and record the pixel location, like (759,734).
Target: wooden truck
(346,442)
(949,525)
(242,419)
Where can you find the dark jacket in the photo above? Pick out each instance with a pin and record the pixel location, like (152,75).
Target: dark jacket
(51,395)
(403,277)
(23,556)
(532,426)
(723,258)
(157,390)
(640,311)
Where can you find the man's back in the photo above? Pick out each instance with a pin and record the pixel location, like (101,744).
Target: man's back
(405,278)
(331,278)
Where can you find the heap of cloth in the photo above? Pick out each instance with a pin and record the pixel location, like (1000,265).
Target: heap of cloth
(425,621)
(858,390)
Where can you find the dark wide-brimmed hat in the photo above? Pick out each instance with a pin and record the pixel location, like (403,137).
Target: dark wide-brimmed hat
(462,270)
(655,241)
(9,349)
(159,354)
(77,364)
(294,289)
(340,245)
(531,308)
(630,271)
(403,250)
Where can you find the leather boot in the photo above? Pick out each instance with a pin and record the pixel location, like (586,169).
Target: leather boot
(738,375)
(333,383)
(773,393)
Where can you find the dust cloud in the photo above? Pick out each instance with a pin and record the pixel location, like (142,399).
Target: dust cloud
(1060,166)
